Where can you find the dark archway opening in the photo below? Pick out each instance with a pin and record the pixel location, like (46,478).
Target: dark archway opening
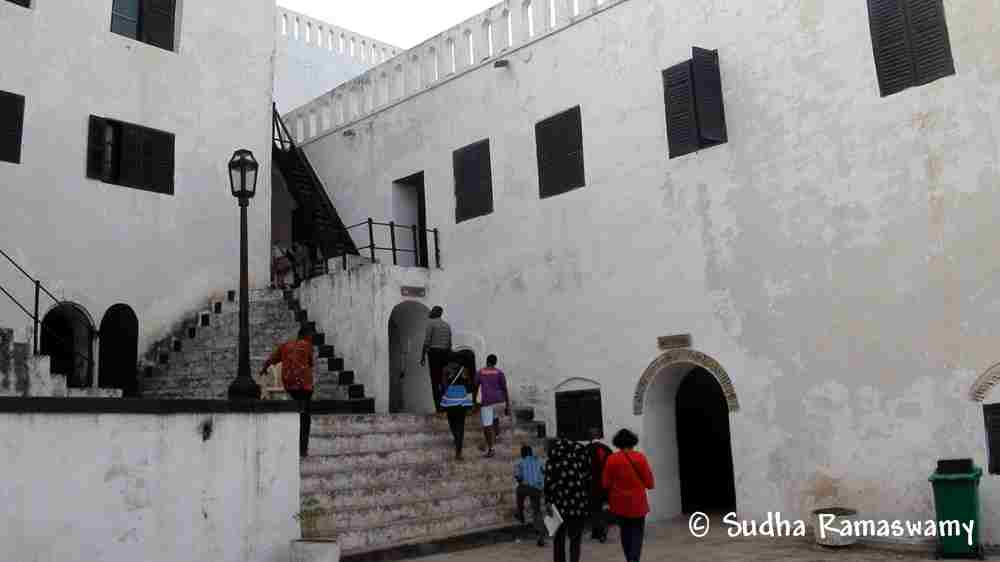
(704,447)
(409,385)
(119,355)
(67,338)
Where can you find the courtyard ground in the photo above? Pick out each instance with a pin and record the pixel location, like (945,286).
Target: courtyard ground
(674,543)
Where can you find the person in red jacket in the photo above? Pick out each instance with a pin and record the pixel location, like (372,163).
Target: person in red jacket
(626,477)
(296,360)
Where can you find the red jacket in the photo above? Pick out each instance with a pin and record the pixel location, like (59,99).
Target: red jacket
(627,482)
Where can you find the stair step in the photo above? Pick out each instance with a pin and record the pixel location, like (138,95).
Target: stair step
(346,520)
(344,377)
(474,466)
(393,423)
(335,445)
(355,391)
(325,351)
(409,532)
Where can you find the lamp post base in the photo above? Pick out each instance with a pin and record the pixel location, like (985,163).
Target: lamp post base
(244,388)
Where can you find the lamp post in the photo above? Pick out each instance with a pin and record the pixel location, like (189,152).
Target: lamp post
(243,181)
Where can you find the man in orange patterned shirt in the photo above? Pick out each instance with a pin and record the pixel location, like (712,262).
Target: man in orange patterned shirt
(296,359)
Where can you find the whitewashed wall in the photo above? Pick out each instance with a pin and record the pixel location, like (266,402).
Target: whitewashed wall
(99,244)
(313,57)
(835,256)
(124,487)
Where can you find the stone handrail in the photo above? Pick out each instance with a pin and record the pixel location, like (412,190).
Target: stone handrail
(492,34)
(293,26)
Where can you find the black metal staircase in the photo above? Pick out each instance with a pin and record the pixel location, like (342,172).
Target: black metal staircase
(325,229)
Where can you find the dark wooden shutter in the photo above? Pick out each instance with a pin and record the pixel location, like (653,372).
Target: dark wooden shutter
(682,124)
(590,410)
(567,420)
(572,123)
(11,126)
(929,42)
(891,45)
(560,153)
(162,163)
(157,23)
(473,181)
(708,96)
(131,156)
(95,149)
(991,413)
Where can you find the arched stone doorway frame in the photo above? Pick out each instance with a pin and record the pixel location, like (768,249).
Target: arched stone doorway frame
(690,357)
(411,311)
(984,383)
(47,339)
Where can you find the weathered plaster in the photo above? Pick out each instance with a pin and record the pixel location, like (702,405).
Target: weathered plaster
(98,244)
(120,487)
(835,256)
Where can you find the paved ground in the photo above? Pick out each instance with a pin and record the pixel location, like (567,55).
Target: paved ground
(674,543)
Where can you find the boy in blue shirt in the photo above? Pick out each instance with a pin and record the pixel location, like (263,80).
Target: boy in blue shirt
(530,483)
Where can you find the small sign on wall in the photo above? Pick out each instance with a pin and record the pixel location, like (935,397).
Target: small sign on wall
(414,292)
(679,341)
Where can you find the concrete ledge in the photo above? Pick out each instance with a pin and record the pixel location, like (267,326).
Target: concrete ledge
(140,406)
(443,546)
(315,551)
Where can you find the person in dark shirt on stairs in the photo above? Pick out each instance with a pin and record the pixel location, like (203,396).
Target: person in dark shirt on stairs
(296,359)
(437,349)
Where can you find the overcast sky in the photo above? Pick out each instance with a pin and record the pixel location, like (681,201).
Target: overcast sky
(403,23)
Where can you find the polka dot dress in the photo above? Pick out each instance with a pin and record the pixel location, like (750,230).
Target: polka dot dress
(567,478)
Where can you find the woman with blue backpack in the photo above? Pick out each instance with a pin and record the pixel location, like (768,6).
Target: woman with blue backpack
(457,400)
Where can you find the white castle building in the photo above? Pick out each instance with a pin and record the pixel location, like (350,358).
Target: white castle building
(758,235)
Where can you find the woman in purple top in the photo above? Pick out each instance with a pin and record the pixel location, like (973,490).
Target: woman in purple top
(493,385)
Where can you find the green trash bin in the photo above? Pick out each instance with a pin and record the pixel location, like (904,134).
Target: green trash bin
(956,498)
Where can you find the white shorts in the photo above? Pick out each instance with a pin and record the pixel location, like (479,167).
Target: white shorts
(487,415)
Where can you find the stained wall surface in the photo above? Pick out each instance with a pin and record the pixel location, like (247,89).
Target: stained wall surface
(98,244)
(162,488)
(834,256)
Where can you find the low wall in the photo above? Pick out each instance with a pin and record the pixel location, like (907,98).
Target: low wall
(128,480)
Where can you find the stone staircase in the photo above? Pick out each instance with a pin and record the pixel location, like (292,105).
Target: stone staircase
(378,482)
(199,360)
(24,375)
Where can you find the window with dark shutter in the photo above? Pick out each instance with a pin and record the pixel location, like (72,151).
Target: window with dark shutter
(158,23)
(11,126)
(578,413)
(149,21)
(910,43)
(559,146)
(991,413)
(473,181)
(692,92)
(130,155)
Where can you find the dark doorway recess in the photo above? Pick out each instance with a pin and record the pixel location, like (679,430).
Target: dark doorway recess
(410,208)
(67,337)
(704,446)
(119,355)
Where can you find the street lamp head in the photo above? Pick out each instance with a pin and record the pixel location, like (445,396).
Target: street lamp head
(243,174)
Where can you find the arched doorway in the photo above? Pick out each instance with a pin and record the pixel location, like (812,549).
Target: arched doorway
(685,399)
(119,355)
(704,448)
(409,385)
(67,338)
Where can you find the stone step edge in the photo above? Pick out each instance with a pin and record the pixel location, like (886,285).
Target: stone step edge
(370,489)
(435,431)
(500,504)
(443,446)
(405,522)
(340,469)
(434,546)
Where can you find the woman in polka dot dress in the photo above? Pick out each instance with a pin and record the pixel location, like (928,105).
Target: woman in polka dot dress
(567,487)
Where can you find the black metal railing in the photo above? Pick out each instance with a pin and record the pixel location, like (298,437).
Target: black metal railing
(40,290)
(282,137)
(420,251)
